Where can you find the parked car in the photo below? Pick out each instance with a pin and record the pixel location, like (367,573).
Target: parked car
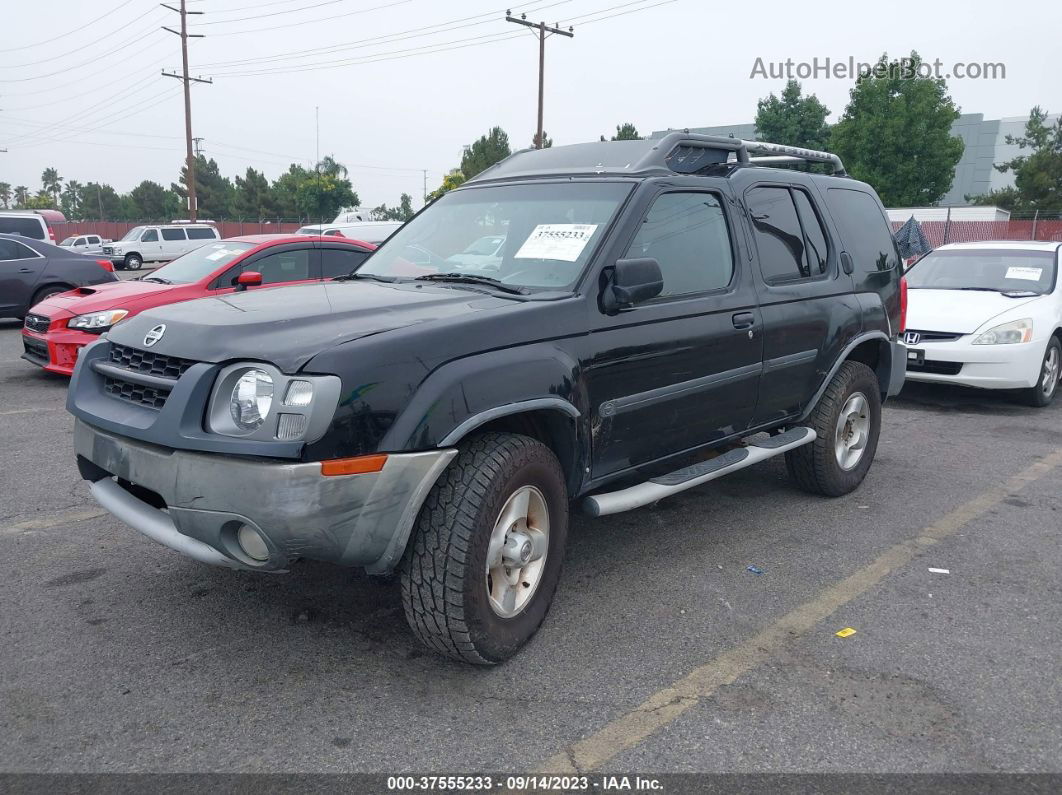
(988,315)
(484,253)
(158,244)
(85,244)
(28,223)
(57,328)
(375,232)
(665,312)
(32,270)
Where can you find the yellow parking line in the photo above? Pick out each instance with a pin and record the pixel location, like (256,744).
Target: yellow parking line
(53,520)
(29,411)
(665,705)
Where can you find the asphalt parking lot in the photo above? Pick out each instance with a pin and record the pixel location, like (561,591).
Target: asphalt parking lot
(663,651)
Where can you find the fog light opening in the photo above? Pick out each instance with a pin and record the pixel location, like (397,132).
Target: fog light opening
(252,544)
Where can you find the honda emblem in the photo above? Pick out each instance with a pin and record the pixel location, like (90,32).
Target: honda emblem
(912,337)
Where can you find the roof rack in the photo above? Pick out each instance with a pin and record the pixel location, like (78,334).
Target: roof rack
(688,153)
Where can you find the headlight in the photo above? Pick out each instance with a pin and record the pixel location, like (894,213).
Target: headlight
(251,399)
(1007,333)
(98,321)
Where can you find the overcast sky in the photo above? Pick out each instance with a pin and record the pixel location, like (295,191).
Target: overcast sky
(419,79)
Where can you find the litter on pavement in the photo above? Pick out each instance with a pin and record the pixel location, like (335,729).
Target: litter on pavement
(754,569)
(939,571)
(844,633)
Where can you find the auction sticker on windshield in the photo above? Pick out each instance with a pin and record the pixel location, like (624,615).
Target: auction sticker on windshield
(1029,274)
(564,242)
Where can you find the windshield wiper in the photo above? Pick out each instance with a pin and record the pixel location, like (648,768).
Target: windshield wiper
(158,279)
(375,277)
(469,278)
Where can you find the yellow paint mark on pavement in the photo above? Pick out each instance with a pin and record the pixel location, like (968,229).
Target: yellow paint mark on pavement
(52,520)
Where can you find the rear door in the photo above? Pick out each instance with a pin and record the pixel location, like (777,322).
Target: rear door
(174,242)
(809,312)
(20,269)
(682,370)
(151,245)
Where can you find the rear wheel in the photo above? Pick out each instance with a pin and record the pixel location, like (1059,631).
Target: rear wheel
(485,555)
(847,421)
(1047,384)
(133,262)
(48,292)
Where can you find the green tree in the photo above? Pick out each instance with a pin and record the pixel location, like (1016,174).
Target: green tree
(452,180)
(484,153)
(101,202)
(545,136)
(625,132)
(214,193)
(403,212)
(5,194)
(286,187)
(254,198)
(42,200)
(150,201)
(21,196)
(1037,175)
(321,196)
(792,119)
(329,166)
(71,199)
(52,183)
(896,134)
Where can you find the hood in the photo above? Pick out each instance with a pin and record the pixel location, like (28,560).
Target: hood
(288,326)
(111,295)
(957,311)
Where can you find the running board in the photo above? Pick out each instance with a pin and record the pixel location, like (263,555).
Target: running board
(688,477)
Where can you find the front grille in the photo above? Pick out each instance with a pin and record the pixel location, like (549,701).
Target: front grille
(36,349)
(149,363)
(38,323)
(108,249)
(932,336)
(135,393)
(936,368)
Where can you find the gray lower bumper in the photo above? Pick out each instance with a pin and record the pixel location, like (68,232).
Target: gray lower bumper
(353,520)
(899,368)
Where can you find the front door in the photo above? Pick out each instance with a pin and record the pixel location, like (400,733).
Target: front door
(151,245)
(682,370)
(20,268)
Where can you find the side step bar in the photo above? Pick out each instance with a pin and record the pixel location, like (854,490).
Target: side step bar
(688,477)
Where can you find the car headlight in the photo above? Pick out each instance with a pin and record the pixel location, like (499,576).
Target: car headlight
(251,399)
(1007,333)
(98,321)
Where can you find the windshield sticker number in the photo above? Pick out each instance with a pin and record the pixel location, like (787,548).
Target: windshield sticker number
(1028,274)
(563,242)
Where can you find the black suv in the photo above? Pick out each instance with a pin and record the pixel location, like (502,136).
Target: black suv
(605,323)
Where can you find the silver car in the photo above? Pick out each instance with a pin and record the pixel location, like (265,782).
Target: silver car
(85,244)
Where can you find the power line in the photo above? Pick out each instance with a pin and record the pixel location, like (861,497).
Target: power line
(70,52)
(271,14)
(315,21)
(95,59)
(78,29)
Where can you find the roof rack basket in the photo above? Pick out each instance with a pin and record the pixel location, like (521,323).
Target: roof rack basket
(688,153)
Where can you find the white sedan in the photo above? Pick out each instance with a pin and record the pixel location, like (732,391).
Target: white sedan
(987,315)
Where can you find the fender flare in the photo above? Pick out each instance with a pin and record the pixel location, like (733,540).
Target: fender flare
(867,336)
(508,409)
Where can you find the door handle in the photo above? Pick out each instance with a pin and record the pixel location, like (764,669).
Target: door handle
(744,320)
(25,270)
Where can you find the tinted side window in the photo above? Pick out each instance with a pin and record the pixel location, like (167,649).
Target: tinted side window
(12,249)
(865,232)
(338,262)
(150,236)
(779,238)
(27,227)
(79,242)
(687,234)
(284,266)
(814,235)
(173,234)
(200,233)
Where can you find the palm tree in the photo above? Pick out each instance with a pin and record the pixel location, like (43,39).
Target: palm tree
(52,183)
(72,197)
(5,194)
(21,196)
(331,168)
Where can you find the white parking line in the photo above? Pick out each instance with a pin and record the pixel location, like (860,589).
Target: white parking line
(30,411)
(53,520)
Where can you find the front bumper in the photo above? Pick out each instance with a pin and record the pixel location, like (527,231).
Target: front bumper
(986,366)
(55,351)
(353,520)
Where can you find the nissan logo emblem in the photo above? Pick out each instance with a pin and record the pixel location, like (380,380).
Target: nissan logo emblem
(912,337)
(154,335)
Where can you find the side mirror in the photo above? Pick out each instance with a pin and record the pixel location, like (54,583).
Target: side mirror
(630,282)
(248,279)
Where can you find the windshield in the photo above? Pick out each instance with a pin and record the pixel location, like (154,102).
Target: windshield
(199,264)
(547,231)
(1001,270)
(133,234)
(67,241)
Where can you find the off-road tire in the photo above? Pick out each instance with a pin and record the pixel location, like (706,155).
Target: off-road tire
(1034,395)
(814,467)
(132,262)
(444,590)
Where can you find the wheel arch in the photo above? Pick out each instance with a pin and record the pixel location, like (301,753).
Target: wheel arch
(872,348)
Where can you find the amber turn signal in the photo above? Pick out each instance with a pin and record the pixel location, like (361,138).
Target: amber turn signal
(361,465)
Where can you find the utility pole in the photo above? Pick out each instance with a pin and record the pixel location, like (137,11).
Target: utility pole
(187,80)
(198,148)
(543,30)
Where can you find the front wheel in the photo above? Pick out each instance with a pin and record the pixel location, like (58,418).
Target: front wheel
(133,262)
(1047,383)
(847,420)
(485,554)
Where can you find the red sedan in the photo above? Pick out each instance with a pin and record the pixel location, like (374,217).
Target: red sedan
(57,327)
